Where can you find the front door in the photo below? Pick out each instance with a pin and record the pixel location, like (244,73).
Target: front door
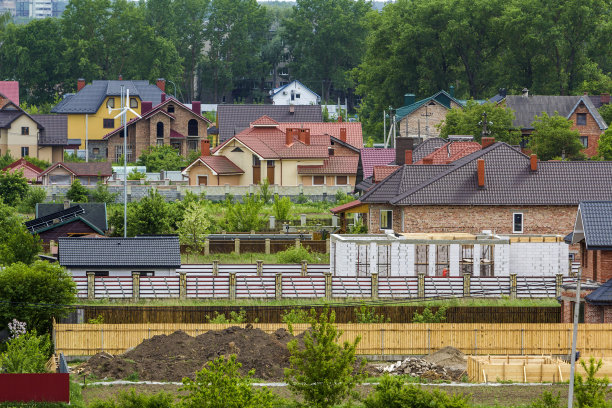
(202,180)
(256,170)
(270,172)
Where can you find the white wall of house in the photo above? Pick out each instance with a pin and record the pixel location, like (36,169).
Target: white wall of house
(295,93)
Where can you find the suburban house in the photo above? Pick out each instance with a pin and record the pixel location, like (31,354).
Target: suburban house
(64,173)
(419,119)
(233,119)
(30,171)
(146,256)
(88,113)
(68,220)
(294,93)
(169,123)
(579,109)
(286,154)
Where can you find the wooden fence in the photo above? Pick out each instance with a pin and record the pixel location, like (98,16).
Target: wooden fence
(344,314)
(376,339)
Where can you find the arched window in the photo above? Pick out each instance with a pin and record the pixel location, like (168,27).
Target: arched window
(160,130)
(192,128)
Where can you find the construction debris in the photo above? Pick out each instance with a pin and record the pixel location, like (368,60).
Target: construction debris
(446,364)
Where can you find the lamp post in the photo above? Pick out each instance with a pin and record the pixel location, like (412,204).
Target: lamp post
(173,84)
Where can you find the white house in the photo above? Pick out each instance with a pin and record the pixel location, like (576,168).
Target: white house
(294,93)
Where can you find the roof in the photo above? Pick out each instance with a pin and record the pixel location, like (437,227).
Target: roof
(427,147)
(55,130)
(8,116)
(23,163)
(60,218)
(218,164)
(344,207)
(373,156)
(451,151)
(90,98)
(382,172)
(277,90)
(602,296)
(527,108)
(354,135)
(594,225)
(103,169)
(94,213)
(10,89)
(233,119)
(596,100)
(332,165)
(266,121)
(508,181)
(365,184)
(139,252)
(442,97)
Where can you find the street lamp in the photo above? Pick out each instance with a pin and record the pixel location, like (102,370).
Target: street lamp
(173,84)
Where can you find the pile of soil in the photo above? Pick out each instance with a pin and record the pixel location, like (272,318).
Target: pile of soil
(448,357)
(172,357)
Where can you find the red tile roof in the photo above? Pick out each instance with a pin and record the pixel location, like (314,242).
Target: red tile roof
(221,165)
(354,136)
(264,121)
(344,207)
(451,151)
(10,89)
(175,135)
(30,171)
(372,156)
(381,172)
(333,165)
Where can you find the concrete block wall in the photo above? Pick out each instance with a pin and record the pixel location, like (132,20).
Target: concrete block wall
(539,258)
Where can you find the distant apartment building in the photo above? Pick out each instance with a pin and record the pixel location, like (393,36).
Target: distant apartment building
(25,10)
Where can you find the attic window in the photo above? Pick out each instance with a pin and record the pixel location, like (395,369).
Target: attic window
(297,96)
(133,103)
(432,103)
(581,119)
(110,103)
(170,108)
(237,150)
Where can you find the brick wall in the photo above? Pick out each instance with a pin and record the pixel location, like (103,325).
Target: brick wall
(590,130)
(415,123)
(596,265)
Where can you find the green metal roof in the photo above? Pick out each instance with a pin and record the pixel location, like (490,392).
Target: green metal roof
(442,97)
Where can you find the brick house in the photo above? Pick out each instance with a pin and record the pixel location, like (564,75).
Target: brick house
(169,123)
(30,171)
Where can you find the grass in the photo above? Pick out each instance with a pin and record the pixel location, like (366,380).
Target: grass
(245,258)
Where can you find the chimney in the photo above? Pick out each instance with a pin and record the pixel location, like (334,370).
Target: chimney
(586,94)
(604,98)
(408,99)
(163,97)
(402,144)
(66,204)
(147,106)
(205,147)
(525,93)
(196,107)
(302,136)
(306,137)
(291,109)
(340,118)
(487,141)
(451,91)
(408,157)
(428,160)
(120,77)
(289,137)
(343,134)
(80,84)
(161,84)
(481,173)
(534,162)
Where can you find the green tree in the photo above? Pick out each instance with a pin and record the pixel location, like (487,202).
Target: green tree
(101,194)
(194,227)
(604,146)
(152,216)
(5,160)
(13,187)
(34,294)
(219,384)
(136,175)
(19,245)
(77,192)
(466,122)
(282,208)
(606,113)
(157,158)
(553,137)
(35,195)
(322,371)
(245,216)
(132,399)
(591,392)
(27,353)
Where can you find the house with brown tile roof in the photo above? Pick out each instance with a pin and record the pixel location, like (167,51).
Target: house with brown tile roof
(64,173)
(30,171)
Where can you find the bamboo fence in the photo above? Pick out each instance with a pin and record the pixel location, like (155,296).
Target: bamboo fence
(376,339)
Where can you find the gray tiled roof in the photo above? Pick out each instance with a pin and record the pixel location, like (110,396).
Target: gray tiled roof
(89,99)
(602,296)
(597,224)
(233,119)
(427,147)
(95,213)
(139,252)
(527,108)
(55,132)
(508,181)
(8,116)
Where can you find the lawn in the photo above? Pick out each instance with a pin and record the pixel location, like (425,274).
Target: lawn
(245,258)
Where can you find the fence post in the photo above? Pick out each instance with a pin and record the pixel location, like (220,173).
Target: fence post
(232,285)
(327,245)
(421,286)
(215,267)
(302,220)
(558,283)
(297,243)
(182,285)
(135,286)
(278,286)
(513,286)
(237,246)
(304,270)
(272,222)
(374,278)
(267,246)
(467,285)
(91,285)
(259,267)
(206,247)
(328,285)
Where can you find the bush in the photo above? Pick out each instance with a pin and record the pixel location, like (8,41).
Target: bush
(591,392)
(264,191)
(295,316)
(244,217)
(19,246)
(358,228)
(429,317)
(133,400)
(282,208)
(547,400)
(43,164)
(35,195)
(301,199)
(27,353)
(235,318)
(294,255)
(13,187)
(77,192)
(136,175)
(366,314)
(101,194)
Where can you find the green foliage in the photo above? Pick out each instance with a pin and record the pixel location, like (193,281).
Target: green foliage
(392,392)
(96,320)
(19,246)
(27,353)
(367,314)
(35,195)
(136,175)
(553,136)
(547,400)
(282,208)
(264,191)
(343,198)
(606,113)
(5,160)
(132,399)
(591,392)
(234,318)
(219,384)
(301,199)
(34,294)
(101,194)
(323,372)
(295,316)
(245,216)
(13,187)
(72,157)
(77,192)
(294,255)
(358,228)
(43,164)
(157,158)
(428,317)
(194,227)
(604,146)
(152,216)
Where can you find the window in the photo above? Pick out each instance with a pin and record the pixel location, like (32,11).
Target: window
(297,96)
(110,103)
(421,258)
(61,179)
(292,96)
(202,180)
(256,161)
(133,103)
(237,150)
(160,142)
(25,130)
(467,259)
(442,260)
(170,108)
(145,273)
(330,151)
(486,260)
(192,128)
(341,180)
(517,223)
(318,180)
(99,273)
(585,141)
(270,163)
(96,150)
(581,119)
(192,145)
(177,146)
(108,123)
(118,153)
(386,219)
(25,151)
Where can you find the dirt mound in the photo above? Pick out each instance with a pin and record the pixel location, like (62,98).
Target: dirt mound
(172,357)
(449,357)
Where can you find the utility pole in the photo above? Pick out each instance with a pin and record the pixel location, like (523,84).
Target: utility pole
(570,394)
(484,123)
(427,115)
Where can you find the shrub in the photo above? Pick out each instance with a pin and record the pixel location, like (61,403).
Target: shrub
(101,194)
(244,217)
(591,392)
(282,208)
(264,191)
(133,400)
(235,318)
(294,255)
(295,316)
(301,199)
(77,192)
(27,353)
(366,314)
(35,195)
(19,246)
(13,187)
(547,400)
(358,228)
(429,317)
(43,164)
(136,175)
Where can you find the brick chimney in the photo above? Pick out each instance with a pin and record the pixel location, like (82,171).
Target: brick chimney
(306,133)
(534,162)
(205,147)
(343,134)
(289,137)
(402,145)
(161,84)
(604,98)
(487,141)
(428,160)
(481,172)
(408,157)
(163,97)
(80,84)
(340,118)
(196,107)
(147,106)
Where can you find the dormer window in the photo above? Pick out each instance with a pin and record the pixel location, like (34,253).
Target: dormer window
(170,108)
(110,103)
(237,150)
(581,119)
(133,103)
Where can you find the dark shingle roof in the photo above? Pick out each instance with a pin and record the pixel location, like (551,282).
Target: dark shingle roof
(8,116)
(233,119)
(373,156)
(602,296)
(442,97)
(55,132)
(597,224)
(508,181)
(427,147)
(139,252)
(95,213)
(89,99)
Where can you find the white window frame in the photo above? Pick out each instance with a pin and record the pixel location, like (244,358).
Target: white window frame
(345,184)
(324,181)
(390,218)
(198,180)
(514,229)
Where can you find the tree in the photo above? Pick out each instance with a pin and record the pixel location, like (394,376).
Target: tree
(34,294)
(282,208)
(244,217)
(322,371)
(591,392)
(13,187)
(553,137)
(101,194)
(157,158)
(194,227)
(606,113)
(77,192)
(466,122)
(152,216)
(19,245)
(27,353)
(34,196)
(219,384)
(604,146)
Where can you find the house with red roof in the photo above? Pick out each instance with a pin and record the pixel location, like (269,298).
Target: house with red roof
(9,90)
(30,171)
(64,173)
(286,154)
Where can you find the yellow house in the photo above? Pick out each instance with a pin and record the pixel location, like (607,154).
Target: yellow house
(88,110)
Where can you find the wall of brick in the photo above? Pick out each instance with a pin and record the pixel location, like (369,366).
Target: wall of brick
(596,265)
(590,130)
(429,116)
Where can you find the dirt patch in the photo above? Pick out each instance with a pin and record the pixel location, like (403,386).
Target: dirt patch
(448,357)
